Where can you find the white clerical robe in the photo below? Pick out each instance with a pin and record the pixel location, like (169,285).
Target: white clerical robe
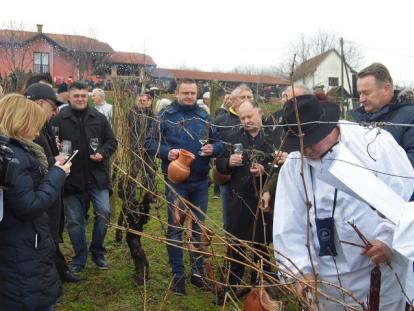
(377,151)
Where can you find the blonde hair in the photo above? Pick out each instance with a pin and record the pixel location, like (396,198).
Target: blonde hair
(20,116)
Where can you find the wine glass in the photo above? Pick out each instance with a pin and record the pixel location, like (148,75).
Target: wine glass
(238,149)
(66,148)
(94,143)
(203,139)
(55,131)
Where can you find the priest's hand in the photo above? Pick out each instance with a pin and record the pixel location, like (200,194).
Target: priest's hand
(378,252)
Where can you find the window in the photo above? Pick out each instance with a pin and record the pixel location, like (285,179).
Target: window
(40,62)
(333,81)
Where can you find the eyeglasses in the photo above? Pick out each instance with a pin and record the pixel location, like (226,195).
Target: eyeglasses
(52,104)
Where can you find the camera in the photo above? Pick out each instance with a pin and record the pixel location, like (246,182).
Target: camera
(8,164)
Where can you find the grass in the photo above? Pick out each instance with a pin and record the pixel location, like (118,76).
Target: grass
(113,289)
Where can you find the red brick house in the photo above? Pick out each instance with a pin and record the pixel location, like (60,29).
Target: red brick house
(61,55)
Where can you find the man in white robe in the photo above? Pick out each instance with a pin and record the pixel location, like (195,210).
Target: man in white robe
(335,262)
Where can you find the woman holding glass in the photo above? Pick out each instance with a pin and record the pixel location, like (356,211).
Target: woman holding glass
(28,276)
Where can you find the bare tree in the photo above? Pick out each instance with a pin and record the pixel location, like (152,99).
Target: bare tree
(309,46)
(85,51)
(13,47)
(247,69)
(270,70)
(14,53)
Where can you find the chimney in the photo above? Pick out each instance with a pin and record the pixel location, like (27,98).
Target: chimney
(39,28)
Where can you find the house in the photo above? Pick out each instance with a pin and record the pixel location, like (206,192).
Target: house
(85,58)
(39,52)
(260,84)
(126,64)
(324,70)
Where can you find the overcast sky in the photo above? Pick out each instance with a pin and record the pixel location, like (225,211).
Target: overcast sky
(222,34)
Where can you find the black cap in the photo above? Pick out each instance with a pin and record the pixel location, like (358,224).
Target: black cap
(42,91)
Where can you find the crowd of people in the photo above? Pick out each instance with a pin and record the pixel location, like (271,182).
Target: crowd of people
(270,176)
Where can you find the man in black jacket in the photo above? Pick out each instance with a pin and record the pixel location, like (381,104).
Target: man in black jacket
(89,132)
(228,125)
(248,168)
(46,98)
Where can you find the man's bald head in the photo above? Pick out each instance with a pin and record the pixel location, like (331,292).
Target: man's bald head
(250,117)
(297,90)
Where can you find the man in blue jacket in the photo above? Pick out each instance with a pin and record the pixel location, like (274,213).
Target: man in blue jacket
(184,125)
(378,104)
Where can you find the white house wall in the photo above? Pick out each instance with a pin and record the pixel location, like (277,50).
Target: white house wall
(329,67)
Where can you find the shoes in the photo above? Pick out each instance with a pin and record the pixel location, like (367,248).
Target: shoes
(198,282)
(101,263)
(76,269)
(179,285)
(59,300)
(70,277)
(216,196)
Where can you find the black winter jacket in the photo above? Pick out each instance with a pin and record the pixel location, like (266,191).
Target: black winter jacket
(402,113)
(95,125)
(228,124)
(48,143)
(245,188)
(28,277)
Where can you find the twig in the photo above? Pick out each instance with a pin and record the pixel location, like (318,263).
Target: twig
(353,244)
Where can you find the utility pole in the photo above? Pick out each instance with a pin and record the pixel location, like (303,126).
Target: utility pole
(342,68)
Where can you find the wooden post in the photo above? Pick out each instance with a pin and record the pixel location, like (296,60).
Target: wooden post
(214,101)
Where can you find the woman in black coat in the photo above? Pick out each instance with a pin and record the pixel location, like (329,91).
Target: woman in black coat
(28,277)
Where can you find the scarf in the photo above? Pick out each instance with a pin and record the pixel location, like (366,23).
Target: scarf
(38,151)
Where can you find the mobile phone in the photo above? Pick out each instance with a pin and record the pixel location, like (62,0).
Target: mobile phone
(71,156)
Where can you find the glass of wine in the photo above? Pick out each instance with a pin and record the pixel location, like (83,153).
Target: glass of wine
(66,148)
(55,131)
(238,149)
(203,139)
(94,143)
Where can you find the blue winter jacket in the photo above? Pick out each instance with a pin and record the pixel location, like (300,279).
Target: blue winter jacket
(29,280)
(402,113)
(181,127)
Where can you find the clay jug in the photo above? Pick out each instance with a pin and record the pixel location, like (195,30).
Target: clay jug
(179,169)
(260,300)
(252,302)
